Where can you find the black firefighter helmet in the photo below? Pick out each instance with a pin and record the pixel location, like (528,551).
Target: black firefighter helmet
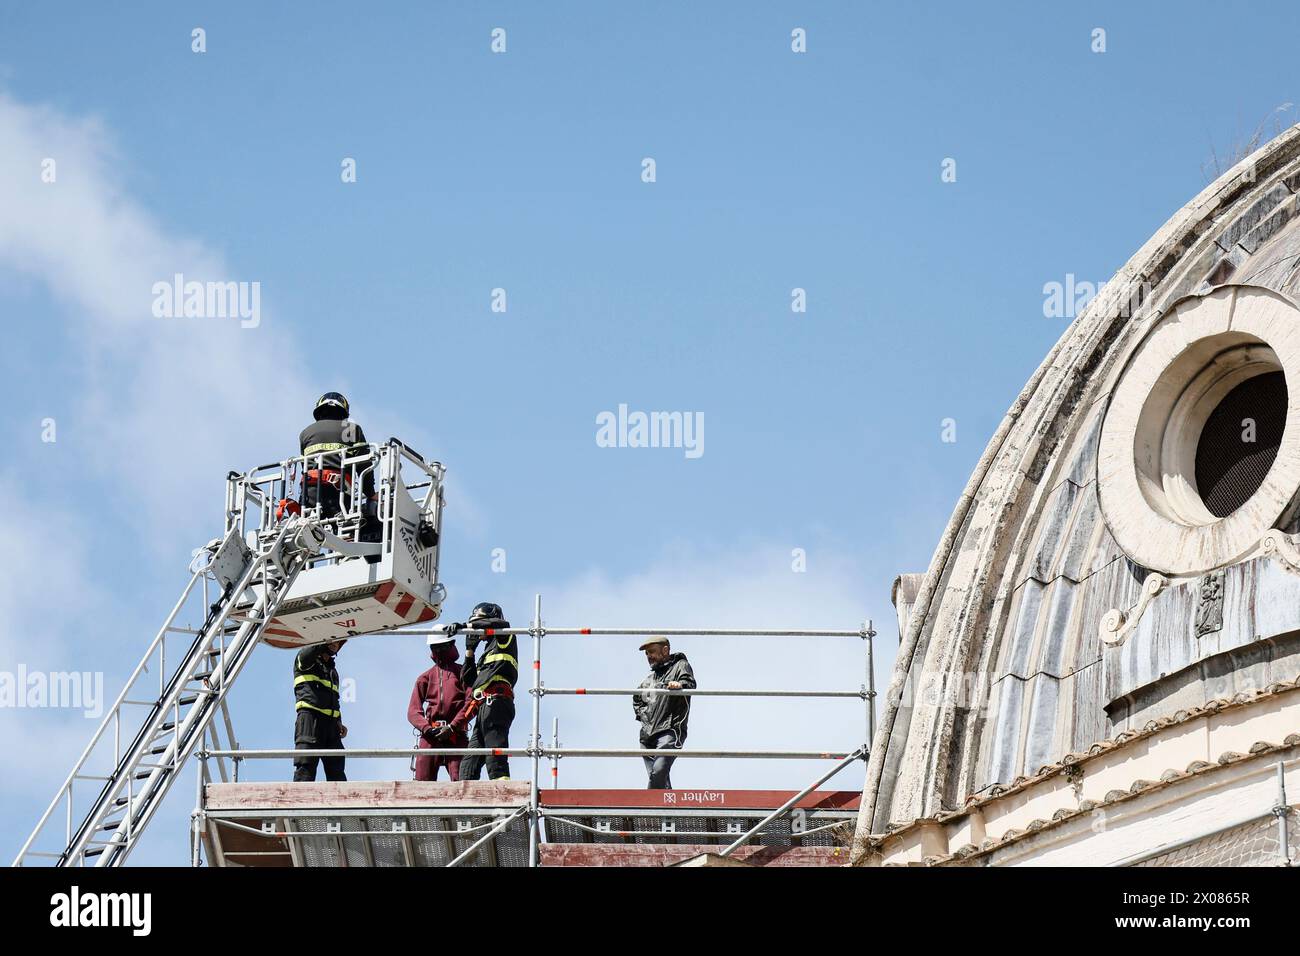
(331,405)
(486,612)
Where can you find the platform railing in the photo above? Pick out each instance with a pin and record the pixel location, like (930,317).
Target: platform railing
(536,751)
(252,498)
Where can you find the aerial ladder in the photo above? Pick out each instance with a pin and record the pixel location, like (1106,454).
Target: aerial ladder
(281,574)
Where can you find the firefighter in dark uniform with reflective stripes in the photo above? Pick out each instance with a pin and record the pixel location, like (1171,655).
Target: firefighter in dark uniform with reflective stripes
(319,725)
(491,696)
(330,436)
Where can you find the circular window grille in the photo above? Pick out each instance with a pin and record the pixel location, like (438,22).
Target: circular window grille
(1239,442)
(1199,454)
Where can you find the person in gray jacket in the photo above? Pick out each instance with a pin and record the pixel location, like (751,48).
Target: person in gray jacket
(663,716)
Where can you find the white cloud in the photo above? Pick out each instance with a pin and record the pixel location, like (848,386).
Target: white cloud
(48,589)
(183,399)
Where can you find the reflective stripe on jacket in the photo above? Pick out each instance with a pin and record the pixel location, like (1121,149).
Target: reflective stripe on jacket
(316,681)
(500,660)
(331,439)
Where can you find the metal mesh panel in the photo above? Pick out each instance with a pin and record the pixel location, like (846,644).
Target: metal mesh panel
(615,823)
(679,829)
(317,852)
(432,850)
(385,845)
(512,844)
(780,832)
(507,848)
(777,832)
(1252,844)
(1229,468)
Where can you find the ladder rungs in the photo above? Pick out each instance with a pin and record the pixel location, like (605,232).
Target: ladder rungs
(188,688)
(151,768)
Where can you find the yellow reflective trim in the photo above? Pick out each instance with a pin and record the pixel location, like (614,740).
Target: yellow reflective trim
(513,662)
(323,446)
(312,677)
(319,710)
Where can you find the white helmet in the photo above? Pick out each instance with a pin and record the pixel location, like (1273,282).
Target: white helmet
(438,639)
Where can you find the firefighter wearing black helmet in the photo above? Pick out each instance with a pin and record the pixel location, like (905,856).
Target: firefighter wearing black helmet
(491,697)
(324,442)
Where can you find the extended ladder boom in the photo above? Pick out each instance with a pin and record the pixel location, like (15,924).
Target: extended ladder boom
(286,572)
(180,706)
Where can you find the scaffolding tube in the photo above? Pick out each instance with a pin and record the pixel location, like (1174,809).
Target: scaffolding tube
(696,692)
(684,833)
(540,753)
(474,847)
(1282,811)
(858,754)
(309,834)
(630,632)
(535,739)
(709,754)
(375,753)
(555,760)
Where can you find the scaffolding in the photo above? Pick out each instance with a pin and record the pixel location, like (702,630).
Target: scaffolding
(1262,838)
(532,814)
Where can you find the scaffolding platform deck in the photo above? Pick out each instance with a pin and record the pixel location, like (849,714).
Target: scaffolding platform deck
(409,823)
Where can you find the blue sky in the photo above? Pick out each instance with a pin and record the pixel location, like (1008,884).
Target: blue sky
(522,171)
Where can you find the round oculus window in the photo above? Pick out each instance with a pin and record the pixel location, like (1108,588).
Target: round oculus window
(1199,453)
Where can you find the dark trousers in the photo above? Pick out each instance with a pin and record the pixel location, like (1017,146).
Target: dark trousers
(658,767)
(491,729)
(317,492)
(426,768)
(314,731)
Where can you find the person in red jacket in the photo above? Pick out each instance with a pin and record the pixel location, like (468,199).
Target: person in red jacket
(438,697)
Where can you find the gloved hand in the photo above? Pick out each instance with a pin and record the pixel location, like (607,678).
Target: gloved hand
(472,641)
(438,732)
(452,629)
